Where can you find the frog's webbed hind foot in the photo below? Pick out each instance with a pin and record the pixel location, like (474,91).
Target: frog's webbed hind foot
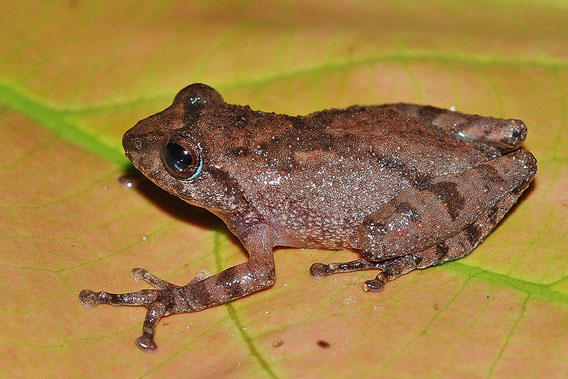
(144,297)
(320,270)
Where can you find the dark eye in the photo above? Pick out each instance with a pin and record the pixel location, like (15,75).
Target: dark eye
(177,157)
(181,158)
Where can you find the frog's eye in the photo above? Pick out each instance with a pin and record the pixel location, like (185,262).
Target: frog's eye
(182,158)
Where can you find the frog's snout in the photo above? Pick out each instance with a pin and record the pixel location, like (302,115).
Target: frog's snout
(131,143)
(127,143)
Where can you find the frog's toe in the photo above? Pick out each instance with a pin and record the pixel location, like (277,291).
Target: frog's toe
(89,298)
(153,280)
(155,312)
(319,270)
(138,273)
(144,297)
(146,343)
(375,285)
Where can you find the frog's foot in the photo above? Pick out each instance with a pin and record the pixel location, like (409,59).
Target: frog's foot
(320,270)
(390,270)
(455,247)
(503,134)
(160,302)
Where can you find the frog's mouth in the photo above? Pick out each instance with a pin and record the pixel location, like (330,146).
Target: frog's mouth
(128,155)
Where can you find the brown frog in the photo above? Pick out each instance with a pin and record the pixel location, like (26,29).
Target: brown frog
(409,186)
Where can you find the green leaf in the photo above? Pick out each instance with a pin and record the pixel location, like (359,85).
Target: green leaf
(75,75)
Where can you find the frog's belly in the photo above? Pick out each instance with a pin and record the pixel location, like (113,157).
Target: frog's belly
(315,233)
(326,215)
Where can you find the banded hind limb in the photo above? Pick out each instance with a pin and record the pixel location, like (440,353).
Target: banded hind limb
(391,241)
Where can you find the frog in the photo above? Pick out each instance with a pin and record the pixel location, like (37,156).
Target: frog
(405,186)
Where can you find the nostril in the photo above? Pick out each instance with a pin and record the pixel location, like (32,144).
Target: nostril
(130,142)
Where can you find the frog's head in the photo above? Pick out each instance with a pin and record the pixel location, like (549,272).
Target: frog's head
(173,151)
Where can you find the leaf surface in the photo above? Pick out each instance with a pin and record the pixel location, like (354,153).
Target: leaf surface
(75,75)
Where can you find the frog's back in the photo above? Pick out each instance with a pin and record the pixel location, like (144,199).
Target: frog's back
(318,176)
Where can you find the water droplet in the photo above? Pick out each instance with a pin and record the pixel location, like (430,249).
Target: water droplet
(129,181)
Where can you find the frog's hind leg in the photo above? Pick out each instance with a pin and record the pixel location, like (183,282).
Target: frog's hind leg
(455,247)
(503,134)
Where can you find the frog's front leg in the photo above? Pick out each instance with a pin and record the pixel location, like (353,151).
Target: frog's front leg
(453,239)
(167,299)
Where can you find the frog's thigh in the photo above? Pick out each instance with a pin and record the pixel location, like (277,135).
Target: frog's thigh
(503,134)
(418,218)
(455,247)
